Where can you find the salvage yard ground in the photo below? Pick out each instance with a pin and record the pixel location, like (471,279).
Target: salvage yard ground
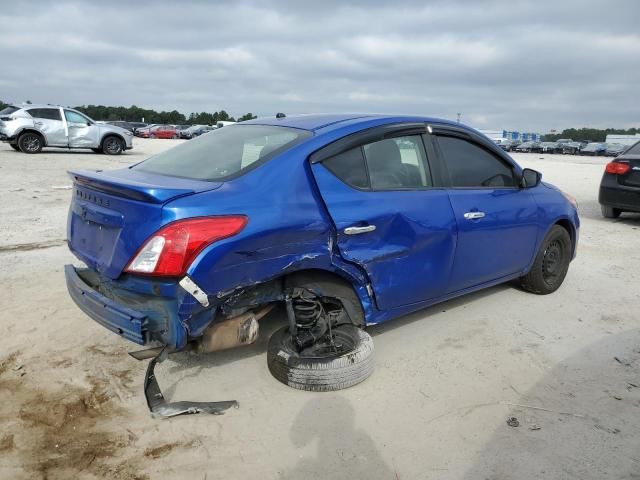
(567,366)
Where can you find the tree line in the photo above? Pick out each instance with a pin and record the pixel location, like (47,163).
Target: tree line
(592,134)
(136,114)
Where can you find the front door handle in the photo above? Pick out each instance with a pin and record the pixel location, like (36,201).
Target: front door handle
(358,230)
(473,215)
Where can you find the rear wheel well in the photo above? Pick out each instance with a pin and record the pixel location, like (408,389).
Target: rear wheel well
(31,130)
(329,284)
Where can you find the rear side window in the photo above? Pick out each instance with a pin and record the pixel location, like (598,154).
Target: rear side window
(45,113)
(224,153)
(470,165)
(397,163)
(349,167)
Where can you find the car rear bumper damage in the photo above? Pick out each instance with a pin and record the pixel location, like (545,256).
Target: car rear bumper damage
(125,321)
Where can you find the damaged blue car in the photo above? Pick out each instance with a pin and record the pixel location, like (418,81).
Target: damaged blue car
(345,220)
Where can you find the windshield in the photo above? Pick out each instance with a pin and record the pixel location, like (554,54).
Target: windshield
(224,152)
(8,110)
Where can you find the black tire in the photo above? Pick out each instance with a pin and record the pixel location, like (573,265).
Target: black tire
(15,147)
(322,373)
(96,150)
(30,142)
(551,264)
(112,145)
(610,212)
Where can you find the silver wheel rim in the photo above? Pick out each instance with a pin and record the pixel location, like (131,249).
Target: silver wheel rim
(112,145)
(31,143)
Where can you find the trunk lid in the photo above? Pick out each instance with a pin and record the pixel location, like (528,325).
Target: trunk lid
(113,213)
(632,178)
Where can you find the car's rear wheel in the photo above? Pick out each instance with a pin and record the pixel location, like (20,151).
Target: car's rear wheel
(551,264)
(112,145)
(15,147)
(610,212)
(344,361)
(30,142)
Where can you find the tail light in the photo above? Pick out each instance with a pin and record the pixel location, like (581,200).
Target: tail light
(617,168)
(170,251)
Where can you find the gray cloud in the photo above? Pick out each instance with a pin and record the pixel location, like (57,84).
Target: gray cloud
(522,65)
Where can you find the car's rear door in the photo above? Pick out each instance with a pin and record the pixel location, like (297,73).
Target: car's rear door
(49,122)
(388,217)
(496,219)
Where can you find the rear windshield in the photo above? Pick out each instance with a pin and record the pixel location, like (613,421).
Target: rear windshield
(8,110)
(635,150)
(224,152)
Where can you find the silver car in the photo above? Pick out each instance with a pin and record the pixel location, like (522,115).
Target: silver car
(29,128)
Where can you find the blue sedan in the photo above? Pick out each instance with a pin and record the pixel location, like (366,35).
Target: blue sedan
(345,220)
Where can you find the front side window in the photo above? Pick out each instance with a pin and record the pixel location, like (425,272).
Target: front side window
(74,117)
(397,163)
(472,166)
(45,113)
(224,152)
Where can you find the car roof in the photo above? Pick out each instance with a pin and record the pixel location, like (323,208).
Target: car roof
(315,122)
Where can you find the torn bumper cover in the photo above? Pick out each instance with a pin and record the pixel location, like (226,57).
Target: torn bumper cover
(124,321)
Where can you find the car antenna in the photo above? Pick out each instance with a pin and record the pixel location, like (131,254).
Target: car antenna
(280,115)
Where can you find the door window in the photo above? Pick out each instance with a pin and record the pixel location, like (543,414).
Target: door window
(472,166)
(45,113)
(397,163)
(73,117)
(349,167)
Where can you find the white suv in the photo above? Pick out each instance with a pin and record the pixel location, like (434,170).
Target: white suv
(29,128)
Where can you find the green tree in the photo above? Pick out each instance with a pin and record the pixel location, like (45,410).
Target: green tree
(247,116)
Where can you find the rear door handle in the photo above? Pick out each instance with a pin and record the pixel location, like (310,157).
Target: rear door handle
(473,215)
(358,230)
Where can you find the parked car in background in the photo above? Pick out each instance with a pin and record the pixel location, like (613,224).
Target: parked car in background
(528,147)
(163,131)
(549,147)
(137,125)
(224,123)
(562,141)
(506,144)
(30,128)
(144,131)
(615,149)
(122,124)
(594,148)
(570,148)
(620,185)
(181,247)
(196,131)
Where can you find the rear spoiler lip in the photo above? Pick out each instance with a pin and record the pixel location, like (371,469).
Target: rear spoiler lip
(141,189)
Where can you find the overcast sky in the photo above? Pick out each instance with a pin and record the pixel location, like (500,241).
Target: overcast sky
(533,65)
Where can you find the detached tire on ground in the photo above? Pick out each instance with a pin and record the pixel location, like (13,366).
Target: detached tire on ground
(322,371)
(551,263)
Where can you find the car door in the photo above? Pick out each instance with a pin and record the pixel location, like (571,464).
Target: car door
(388,217)
(83,133)
(497,220)
(49,122)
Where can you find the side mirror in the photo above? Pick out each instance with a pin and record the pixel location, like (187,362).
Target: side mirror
(530,178)
(89,124)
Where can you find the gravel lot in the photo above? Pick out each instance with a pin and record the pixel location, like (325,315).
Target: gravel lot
(447,378)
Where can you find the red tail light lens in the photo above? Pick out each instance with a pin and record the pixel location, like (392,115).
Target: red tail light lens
(170,251)
(617,168)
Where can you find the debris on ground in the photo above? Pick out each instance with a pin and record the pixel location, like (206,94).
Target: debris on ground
(513,422)
(534,427)
(622,362)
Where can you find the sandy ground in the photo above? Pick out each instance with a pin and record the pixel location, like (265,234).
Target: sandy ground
(446,379)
